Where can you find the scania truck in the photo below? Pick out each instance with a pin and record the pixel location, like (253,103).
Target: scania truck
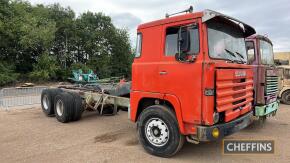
(190,81)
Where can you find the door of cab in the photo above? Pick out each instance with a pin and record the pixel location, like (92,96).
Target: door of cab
(182,80)
(281,78)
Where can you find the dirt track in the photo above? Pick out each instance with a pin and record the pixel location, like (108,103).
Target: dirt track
(29,136)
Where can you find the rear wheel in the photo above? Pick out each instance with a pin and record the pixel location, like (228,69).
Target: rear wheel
(158,131)
(63,107)
(47,101)
(286,97)
(78,108)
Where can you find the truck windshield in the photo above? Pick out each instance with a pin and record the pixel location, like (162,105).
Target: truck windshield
(266,51)
(226,42)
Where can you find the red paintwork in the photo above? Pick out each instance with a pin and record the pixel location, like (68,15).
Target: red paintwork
(184,84)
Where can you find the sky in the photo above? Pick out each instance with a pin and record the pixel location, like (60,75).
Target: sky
(268,17)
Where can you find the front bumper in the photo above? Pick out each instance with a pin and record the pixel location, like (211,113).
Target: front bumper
(266,109)
(204,133)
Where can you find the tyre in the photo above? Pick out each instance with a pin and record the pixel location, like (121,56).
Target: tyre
(78,108)
(262,120)
(47,101)
(124,109)
(63,107)
(108,110)
(158,131)
(286,97)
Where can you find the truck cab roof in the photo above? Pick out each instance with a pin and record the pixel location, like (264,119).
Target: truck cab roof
(260,37)
(205,15)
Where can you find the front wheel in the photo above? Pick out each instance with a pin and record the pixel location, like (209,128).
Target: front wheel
(286,97)
(158,131)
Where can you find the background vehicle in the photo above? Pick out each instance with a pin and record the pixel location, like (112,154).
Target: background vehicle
(80,77)
(189,80)
(284,85)
(261,56)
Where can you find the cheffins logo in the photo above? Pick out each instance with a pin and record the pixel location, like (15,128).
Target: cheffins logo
(248,147)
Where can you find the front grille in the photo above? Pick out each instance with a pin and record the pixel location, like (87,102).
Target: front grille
(234,93)
(271,85)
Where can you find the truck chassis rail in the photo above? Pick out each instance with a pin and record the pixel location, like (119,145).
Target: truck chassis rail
(91,100)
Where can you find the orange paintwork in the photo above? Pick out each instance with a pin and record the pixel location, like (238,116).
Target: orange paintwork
(184,84)
(231,89)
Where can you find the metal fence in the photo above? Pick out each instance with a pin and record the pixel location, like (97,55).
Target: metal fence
(14,97)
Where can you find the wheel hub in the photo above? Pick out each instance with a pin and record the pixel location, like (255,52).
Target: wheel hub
(59,107)
(45,102)
(157,132)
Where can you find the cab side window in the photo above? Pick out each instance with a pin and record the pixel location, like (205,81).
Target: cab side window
(138,45)
(251,51)
(287,74)
(171,41)
(171,47)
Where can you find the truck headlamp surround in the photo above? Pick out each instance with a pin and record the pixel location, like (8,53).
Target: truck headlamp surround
(216,117)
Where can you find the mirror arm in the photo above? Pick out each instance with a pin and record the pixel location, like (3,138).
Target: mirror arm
(179,44)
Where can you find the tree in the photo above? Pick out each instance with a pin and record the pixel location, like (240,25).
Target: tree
(121,54)
(45,69)
(7,74)
(27,32)
(64,43)
(35,36)
(93,41)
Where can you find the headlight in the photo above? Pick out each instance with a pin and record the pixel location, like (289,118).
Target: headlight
(216,117)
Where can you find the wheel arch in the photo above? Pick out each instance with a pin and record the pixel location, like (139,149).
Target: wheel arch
(283,91)
(146,100)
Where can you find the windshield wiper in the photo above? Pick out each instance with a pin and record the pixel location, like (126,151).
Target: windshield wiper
(241,57)
(234,55)
(231,53)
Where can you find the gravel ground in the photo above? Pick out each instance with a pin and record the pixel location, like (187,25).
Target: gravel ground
(26,135)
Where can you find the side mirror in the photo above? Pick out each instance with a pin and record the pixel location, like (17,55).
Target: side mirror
(184,40)
(188,43)
(183,44)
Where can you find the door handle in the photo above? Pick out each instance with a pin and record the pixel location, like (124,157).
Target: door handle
(163,73)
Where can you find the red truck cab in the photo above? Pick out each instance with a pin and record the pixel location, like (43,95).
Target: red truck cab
(190,80)
(266,76)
